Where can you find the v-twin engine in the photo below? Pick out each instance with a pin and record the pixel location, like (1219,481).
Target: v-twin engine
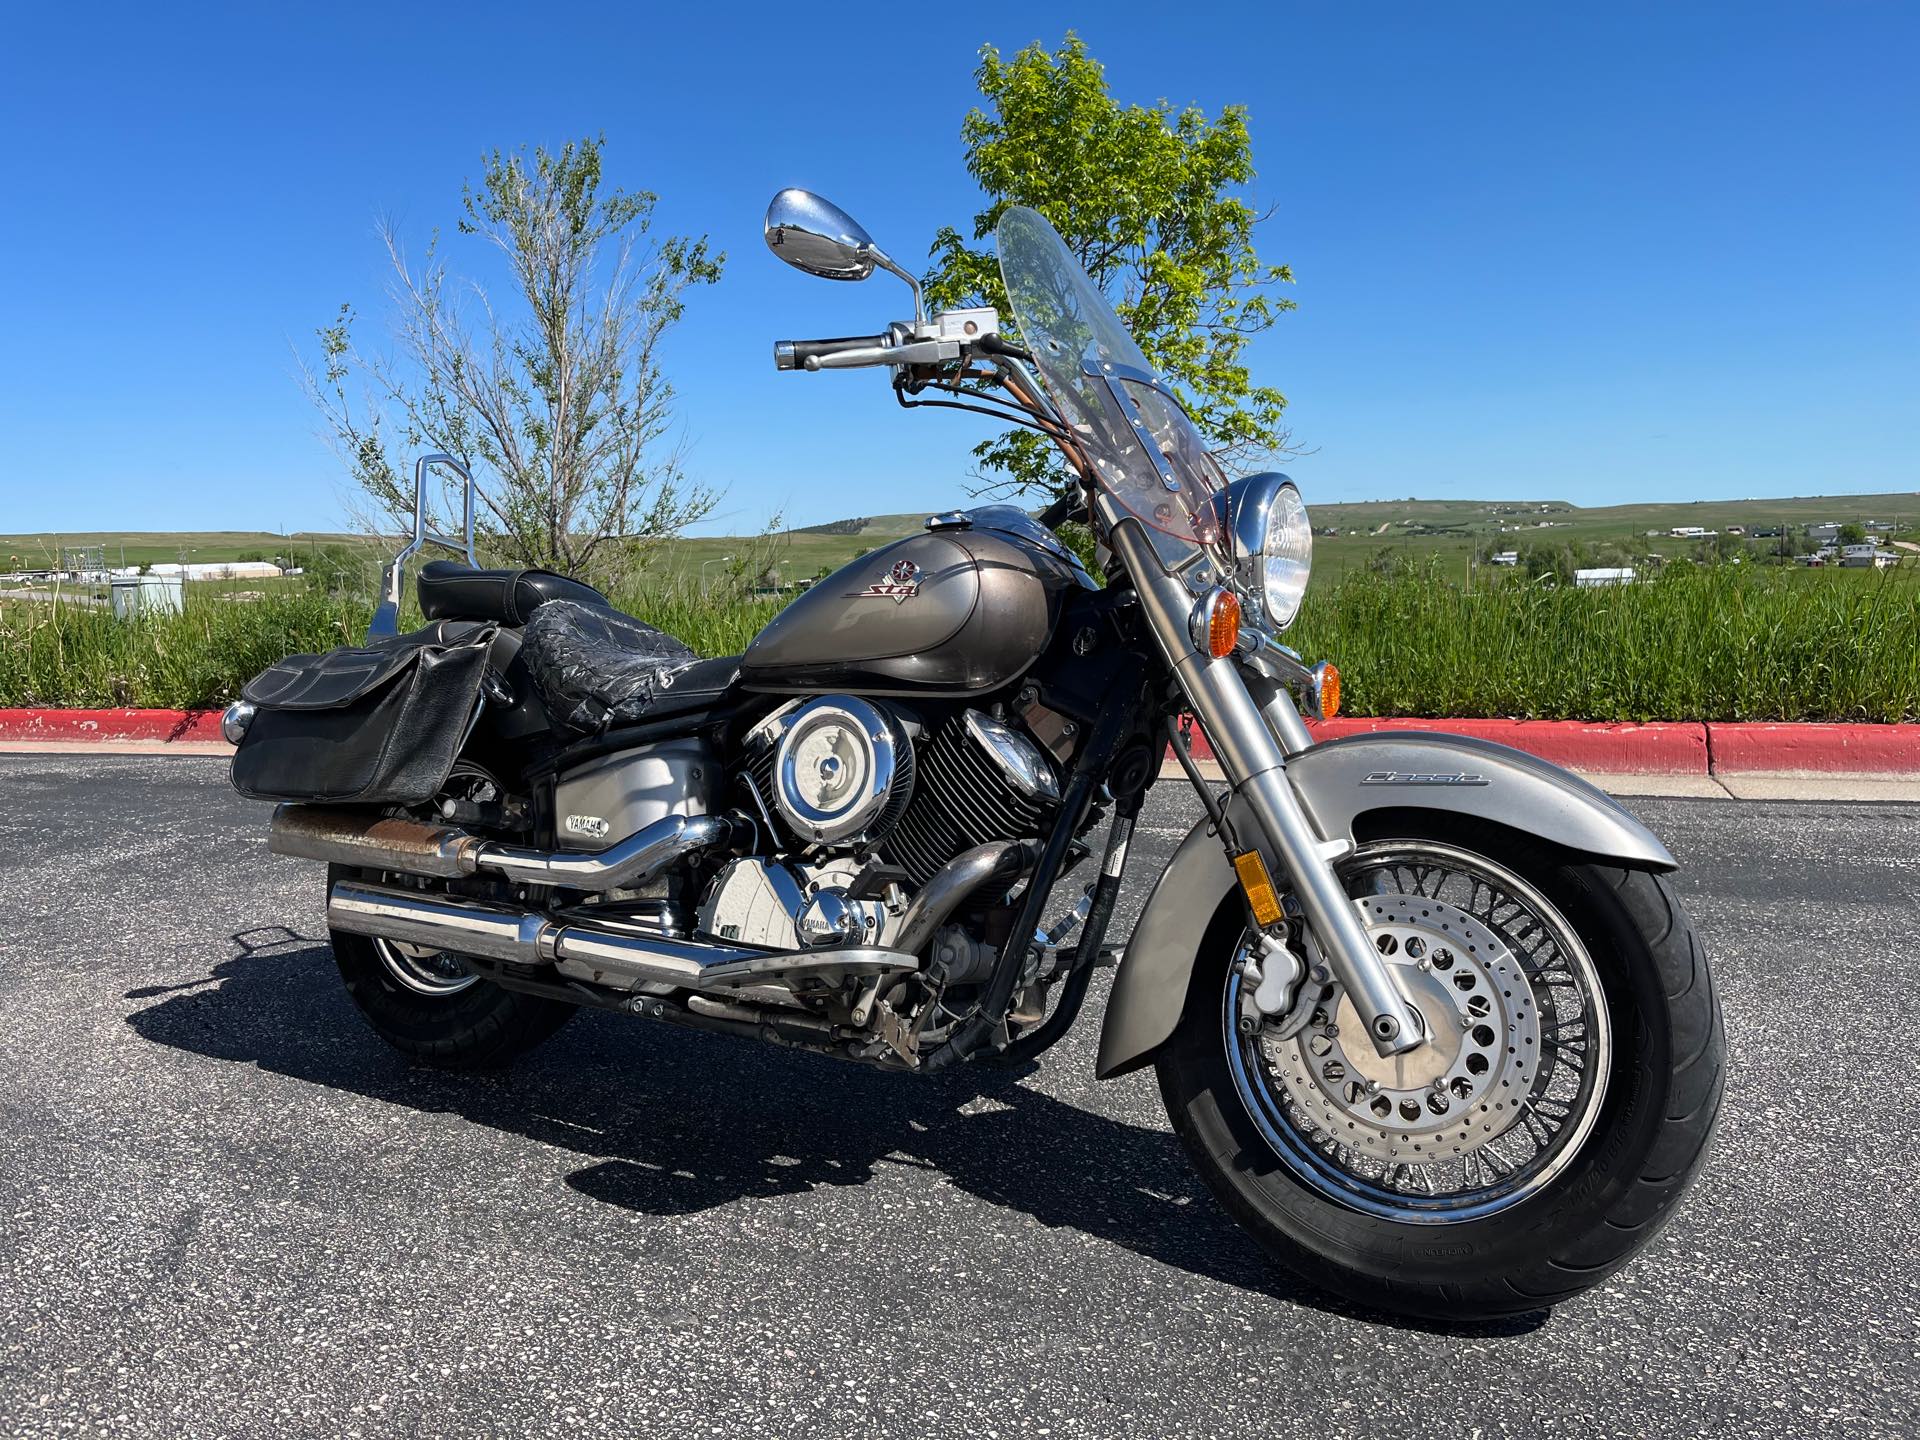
(843,774)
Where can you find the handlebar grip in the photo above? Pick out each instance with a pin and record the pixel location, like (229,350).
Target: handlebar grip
(994,345)
(794,354)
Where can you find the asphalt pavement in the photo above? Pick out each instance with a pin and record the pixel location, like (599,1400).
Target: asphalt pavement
(227,1209)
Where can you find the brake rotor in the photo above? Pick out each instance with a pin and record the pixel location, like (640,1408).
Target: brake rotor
(1465,1087)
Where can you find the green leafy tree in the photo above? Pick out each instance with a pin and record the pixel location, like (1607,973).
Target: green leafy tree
(1853,533)
(1549,560)
(1146,199)
(556,398)
(335,569)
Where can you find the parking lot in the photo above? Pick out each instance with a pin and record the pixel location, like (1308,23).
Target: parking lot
(226,1209)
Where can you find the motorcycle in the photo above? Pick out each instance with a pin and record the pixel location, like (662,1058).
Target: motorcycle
(1424,1011)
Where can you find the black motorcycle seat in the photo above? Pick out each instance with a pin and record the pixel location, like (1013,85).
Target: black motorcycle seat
(596,668)
(449,590)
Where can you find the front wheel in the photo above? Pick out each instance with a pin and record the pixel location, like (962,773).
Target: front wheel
(1539,1139)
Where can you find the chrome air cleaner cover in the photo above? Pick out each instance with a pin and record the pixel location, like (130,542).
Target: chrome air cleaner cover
(842,771)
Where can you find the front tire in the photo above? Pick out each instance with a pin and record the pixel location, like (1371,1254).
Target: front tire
(1380,1218)
(424,1006)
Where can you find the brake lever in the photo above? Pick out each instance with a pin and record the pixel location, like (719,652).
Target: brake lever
(914,352)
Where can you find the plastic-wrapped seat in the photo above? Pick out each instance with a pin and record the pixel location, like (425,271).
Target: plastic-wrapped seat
(596,668)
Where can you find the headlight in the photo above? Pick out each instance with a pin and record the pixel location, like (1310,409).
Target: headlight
(1272,543)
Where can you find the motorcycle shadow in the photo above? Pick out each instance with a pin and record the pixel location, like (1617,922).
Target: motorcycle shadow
(673,1123)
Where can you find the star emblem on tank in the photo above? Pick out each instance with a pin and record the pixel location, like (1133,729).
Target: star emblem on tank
(901,582)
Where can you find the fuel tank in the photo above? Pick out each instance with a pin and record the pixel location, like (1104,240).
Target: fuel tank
(961,610)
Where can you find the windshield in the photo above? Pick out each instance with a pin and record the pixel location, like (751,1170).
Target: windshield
(1101,383)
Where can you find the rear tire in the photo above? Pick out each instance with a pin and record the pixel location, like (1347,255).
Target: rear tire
(476,1026)
(1649,1135)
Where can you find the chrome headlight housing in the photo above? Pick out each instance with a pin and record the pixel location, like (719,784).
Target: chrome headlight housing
(1272,543)
(235,719)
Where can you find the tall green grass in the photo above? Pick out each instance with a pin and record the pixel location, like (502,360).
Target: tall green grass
(717,621)
(1722,643)
(72,655)
(1726,642)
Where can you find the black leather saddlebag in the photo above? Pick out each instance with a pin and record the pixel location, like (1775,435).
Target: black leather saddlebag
(377,724)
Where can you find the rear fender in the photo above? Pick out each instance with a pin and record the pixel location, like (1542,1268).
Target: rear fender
(1341,782)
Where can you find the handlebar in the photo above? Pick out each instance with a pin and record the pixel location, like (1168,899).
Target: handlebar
(807,354)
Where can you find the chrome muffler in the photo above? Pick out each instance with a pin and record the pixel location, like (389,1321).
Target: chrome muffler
(410,847)
(618,960)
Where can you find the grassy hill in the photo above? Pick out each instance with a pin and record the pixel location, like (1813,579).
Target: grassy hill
(1453,529)
(152,547)
(1449,530)
(869,526)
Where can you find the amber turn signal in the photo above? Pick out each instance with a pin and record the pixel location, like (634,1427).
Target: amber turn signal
(1327,687)
(1215,624)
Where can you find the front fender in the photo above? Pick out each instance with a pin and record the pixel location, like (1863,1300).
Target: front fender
(1340,782)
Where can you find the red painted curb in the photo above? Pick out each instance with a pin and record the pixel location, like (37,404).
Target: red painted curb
(1857,749)
(1659,749)
(1662,749)
(1672,748)
(110,725)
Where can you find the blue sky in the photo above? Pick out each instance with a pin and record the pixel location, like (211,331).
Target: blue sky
(1600,253)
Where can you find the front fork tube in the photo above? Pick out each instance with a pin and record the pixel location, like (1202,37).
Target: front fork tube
(1280,713)
(1255,766)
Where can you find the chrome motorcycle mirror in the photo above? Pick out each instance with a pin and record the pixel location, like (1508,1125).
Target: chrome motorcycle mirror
(813,234)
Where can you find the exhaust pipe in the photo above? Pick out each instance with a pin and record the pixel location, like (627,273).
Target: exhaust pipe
(1003,861)
(349,837)
(619,960)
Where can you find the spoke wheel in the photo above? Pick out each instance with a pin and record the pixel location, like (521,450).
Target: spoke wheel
(429,1004)
(1500,1100)
(423,970)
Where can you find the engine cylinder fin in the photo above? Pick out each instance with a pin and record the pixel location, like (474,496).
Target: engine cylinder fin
(961,800)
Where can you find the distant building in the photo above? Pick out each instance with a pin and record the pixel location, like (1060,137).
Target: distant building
(1691,532)
(1828,531)
(1604,575)
(1867,556)
(1507,557)
(1736,529)
(219,570)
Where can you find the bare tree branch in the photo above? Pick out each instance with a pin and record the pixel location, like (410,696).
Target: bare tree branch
(562,411)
